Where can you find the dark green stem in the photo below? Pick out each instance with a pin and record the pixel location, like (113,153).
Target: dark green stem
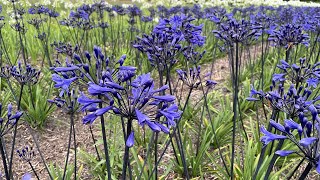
(174,131)
(105,143)
(3,156)
(75,150)
(295,169)
(15,134)
(34,171)
(69,146)
(94,142)
(38,148)
(156,154)
(306,171)
(126,151)
(234,67)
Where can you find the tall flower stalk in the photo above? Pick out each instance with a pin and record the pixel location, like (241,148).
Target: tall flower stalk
(235,33)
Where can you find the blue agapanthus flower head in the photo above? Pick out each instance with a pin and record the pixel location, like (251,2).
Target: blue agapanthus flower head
(86,8)
(289,35)
(22,74)
(38,10)
(302,79)
(180,25)
(293,93)
(146,18)
(197,11)
(193,78)
(66,76)
(122,92)
(134,11)
(26,153)
(8,122)
(162,11)
(165,42)
(119,10)
(79,14)
(303,139)
(234,31)
(43,10)
(299,73)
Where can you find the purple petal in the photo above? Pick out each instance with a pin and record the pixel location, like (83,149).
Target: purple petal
(210,83)
(293,125)
(130,140)
(277,126)
(164,129)
(16,116)
(114,85)
(313,111)
(307,141)
(166,98)
(89,118)
(153,126)
(101,111)
(65,69)
(127,68)
(283,152)
(141,117)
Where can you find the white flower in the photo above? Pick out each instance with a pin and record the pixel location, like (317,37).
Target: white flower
(126,5)
(156,19)
(146,5)
(68,5)
(46,2)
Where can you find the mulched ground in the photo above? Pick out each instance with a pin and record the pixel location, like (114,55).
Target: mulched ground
(53,141)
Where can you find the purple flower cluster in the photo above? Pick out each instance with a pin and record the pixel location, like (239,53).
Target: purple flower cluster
(23,75)
(43,10)
(133,97)
(234,31)
(300,103)
(120,92)
(165,42)
(6,124)
(65,80)
(193,79)
(26,154)
(289,35)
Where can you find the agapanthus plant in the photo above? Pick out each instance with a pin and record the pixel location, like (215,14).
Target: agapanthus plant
(233,31)
(119,91)
(27,154)
(42,14)
(289,35)
(294,93)
(24,76)
(136,100)
(235,34)
(6,124)
(67,100)
(165,42)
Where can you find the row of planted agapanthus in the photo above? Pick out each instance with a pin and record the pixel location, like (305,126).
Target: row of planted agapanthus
(42,29)
(105,87)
